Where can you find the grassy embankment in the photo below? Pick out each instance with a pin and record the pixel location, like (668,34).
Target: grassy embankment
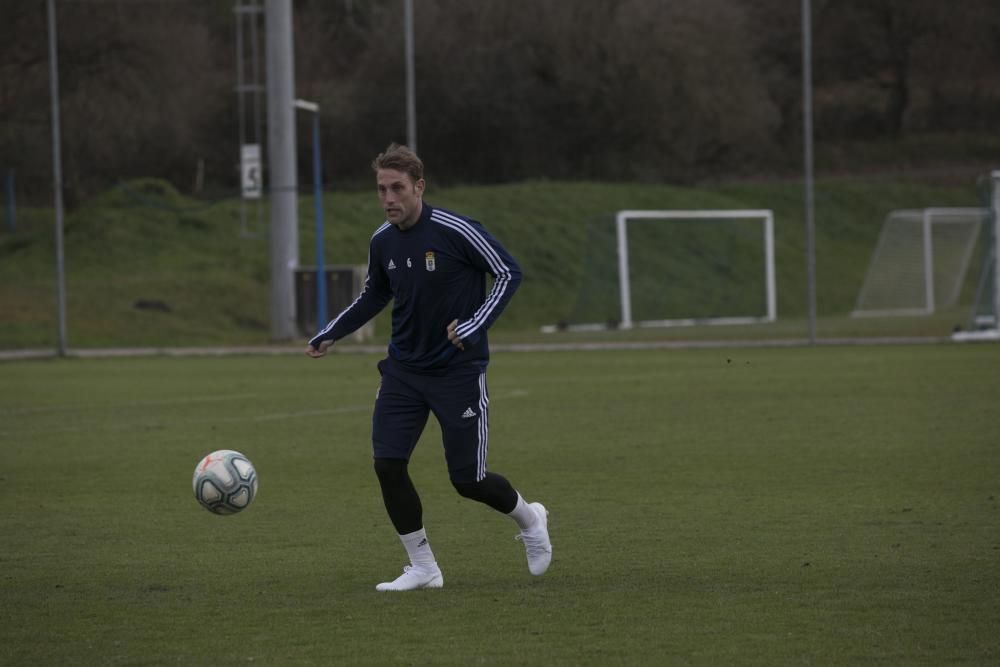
(203,281)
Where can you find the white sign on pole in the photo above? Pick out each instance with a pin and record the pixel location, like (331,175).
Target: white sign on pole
(250,171)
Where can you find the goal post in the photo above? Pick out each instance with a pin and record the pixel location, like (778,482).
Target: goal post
(624,283)
(685,268)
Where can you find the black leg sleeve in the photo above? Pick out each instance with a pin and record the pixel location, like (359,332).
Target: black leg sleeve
(400,497)
(493,490)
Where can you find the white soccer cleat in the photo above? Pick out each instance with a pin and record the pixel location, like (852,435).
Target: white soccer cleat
(414,578)
(536,542)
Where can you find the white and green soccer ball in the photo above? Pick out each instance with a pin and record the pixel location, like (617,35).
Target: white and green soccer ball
(225,482)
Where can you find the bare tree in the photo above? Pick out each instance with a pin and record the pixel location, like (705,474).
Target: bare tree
(506,89)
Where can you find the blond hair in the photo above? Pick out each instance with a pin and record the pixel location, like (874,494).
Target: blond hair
(400,158)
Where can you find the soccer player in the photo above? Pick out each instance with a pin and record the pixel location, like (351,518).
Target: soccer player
(433,264)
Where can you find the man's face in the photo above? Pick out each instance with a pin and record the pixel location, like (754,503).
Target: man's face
(400,197)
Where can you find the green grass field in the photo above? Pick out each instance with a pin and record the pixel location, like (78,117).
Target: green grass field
(825,505)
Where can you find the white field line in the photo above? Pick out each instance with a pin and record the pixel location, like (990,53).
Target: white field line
(275,416)
(117,406)
(156,425)
(234,419)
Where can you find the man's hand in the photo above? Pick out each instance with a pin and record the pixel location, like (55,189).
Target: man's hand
(316,353)
(453,337)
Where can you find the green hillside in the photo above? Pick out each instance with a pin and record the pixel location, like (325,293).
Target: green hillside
(147,266)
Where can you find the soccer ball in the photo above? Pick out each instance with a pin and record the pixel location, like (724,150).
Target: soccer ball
(225,482)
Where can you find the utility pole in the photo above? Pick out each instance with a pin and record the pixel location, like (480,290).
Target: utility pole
(281,161)
(411,94)
(807,136)
(57,179)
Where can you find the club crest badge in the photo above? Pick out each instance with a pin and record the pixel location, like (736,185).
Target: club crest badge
(429,260)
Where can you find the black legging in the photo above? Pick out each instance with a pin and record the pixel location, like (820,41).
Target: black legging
(403,503)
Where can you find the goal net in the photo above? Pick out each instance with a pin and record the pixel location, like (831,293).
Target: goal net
(920,261)
(671,268)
